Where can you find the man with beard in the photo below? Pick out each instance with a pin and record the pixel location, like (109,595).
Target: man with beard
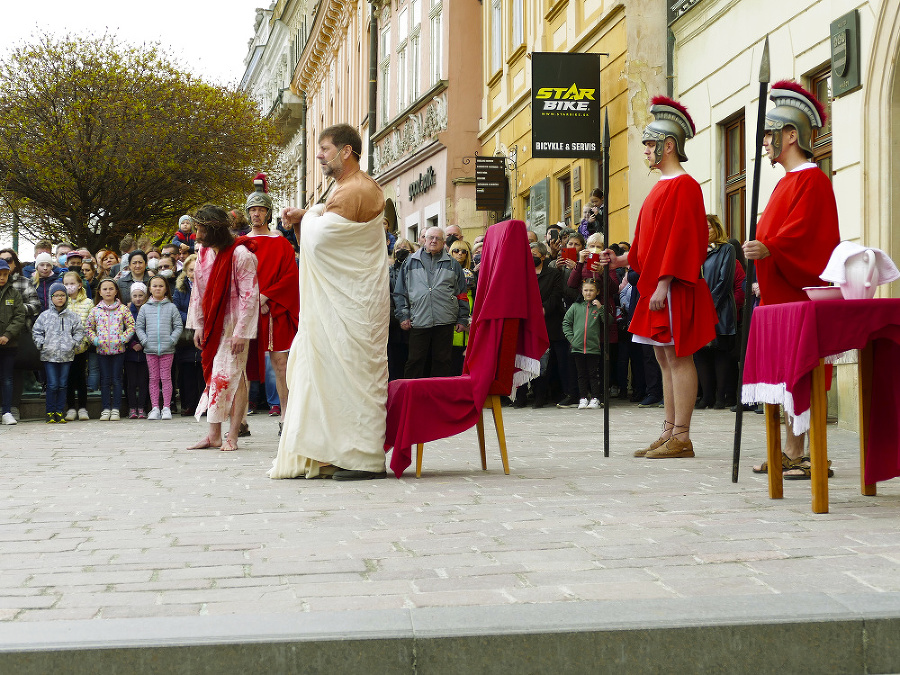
(337,369)
(223,313)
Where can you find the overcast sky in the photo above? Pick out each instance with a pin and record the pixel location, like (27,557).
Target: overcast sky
(209,37)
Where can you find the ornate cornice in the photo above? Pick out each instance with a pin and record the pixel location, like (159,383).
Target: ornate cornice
(407,137)
(332,17)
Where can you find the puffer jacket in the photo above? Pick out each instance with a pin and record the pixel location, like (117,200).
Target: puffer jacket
(158,326)
(57,334)
(82,307)
(110,327)
(13,314)
(438,301)
(583,328)
(42,288)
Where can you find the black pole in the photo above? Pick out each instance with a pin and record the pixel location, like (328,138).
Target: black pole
(609,312)
(751,269)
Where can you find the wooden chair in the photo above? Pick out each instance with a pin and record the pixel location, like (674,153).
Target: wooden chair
(501,386)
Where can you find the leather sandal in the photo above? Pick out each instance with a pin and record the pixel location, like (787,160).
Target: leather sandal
(658,443)
(786,464)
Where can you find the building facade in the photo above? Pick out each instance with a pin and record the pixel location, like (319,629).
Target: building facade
(814,43)
(429,52)
(632,36)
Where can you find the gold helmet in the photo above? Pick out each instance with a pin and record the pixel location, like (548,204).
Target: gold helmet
(794,107)
(671,120)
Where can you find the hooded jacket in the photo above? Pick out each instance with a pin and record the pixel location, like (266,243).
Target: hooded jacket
(57,334)
(13,314)
(110,327)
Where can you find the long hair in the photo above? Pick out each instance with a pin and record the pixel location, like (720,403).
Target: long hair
(217,224)
(97,297)
(165,283)
(464,245)
(181,283)
(15,259)
(81,294)
(719,236)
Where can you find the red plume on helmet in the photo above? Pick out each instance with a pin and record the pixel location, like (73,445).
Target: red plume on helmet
(790,85)
(261,180)
(672,103)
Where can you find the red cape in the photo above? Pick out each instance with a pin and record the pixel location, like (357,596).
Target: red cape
(800,229)
(215,302)
(279,281)
(670,240)
(419,411)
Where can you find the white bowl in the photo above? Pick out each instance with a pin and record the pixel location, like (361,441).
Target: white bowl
(824,292)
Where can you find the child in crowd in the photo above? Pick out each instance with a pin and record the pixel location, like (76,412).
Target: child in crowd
(13,318)
(110,327)
(583,328)
(190,370)
(137,374)
(58,332)
(184,236)
(158,327)
(81,305)
(43,278)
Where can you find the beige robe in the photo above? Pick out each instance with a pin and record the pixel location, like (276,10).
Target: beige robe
(337,369)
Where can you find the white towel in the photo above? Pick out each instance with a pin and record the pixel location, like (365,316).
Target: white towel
(834,270)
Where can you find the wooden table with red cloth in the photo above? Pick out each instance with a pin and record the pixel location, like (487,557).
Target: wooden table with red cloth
(423,410)
(789,341)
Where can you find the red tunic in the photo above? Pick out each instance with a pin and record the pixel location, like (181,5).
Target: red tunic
(800,229)
(670,240)
(280,283)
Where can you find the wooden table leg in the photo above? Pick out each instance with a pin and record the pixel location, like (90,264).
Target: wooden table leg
(773,451)
(865,401)
(818,444)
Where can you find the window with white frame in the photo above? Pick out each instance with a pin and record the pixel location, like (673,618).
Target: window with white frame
(402,63)
(437,54)
(518,23)
(496,35)
(384,86)
(415,20)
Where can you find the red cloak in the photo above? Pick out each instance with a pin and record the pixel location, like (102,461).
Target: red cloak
(670,240)
(800,229)
(280,283)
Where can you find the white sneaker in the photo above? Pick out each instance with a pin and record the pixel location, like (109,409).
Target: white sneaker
(70,415)
(154,414)
(114,415)
(83,414)
(8,418)
(595,403)
(582,404)
(104,415)
(166,414)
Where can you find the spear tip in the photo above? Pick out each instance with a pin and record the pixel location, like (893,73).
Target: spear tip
(764,74)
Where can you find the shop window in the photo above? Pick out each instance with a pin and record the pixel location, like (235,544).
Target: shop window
(735,178)
(820,85)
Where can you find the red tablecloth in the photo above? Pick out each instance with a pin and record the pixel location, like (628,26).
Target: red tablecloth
(786,343)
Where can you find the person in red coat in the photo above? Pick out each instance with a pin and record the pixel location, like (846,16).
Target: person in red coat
(675,312)
(279,291)
(798,230)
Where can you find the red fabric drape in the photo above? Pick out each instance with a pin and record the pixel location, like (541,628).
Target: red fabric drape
(215,302)
(419,411)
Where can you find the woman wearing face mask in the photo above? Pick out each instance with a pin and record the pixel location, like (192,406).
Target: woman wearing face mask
(167,269)
(81,306)
(398,340)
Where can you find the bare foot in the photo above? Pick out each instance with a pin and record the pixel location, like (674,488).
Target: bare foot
(207,442)
(229,445)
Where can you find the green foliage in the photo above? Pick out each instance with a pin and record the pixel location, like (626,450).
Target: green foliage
(99,139)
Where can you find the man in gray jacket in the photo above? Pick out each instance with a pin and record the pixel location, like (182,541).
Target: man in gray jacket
(430,297)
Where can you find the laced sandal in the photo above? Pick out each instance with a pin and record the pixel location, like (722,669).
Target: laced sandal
(786,464)
(674,447)
(658,443)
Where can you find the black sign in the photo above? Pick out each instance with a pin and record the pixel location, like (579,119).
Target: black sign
(845,66)
(565,105)
(490,183)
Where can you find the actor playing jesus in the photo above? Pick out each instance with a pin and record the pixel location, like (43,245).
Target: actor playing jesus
(337,369)
(223,313)
(675,312)
(798,230)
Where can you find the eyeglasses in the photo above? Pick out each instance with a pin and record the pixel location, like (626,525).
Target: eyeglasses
(434,239)
(459,251)
(9,260)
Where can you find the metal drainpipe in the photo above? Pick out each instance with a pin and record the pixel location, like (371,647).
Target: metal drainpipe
(373,84)
(670,63)
(304,151)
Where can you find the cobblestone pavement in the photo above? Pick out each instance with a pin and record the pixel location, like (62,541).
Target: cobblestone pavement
(104,520)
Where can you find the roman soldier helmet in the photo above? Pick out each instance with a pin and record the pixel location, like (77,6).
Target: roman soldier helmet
(794,107)
(671,120)
(260,196)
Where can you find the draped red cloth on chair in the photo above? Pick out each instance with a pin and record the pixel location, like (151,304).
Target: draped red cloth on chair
(423,410)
